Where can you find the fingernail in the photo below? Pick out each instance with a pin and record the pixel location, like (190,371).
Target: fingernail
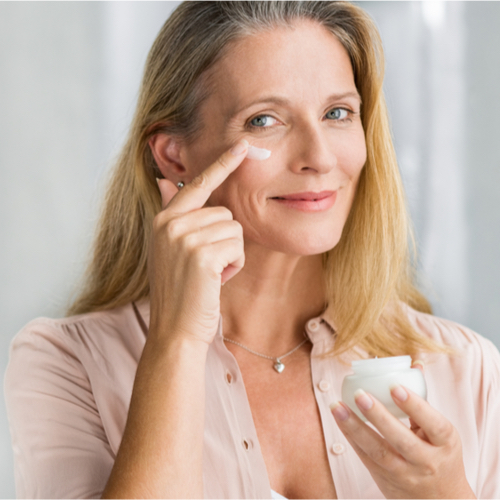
(362,399)
(398,392)
(239,148)
(339,412)
(418,362)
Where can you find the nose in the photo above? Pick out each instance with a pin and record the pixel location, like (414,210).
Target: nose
(314,151)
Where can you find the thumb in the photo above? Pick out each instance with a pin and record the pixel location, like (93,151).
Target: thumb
(167,190)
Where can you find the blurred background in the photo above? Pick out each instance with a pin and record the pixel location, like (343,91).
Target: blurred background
(69,75)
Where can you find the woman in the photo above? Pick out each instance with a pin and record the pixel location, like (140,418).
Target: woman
(259,159)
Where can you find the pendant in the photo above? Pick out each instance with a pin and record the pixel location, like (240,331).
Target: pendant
(279,366)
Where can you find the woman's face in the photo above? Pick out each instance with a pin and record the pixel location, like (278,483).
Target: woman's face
(290,91)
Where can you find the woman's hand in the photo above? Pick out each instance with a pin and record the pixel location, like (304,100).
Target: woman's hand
(422,462)
(194,250)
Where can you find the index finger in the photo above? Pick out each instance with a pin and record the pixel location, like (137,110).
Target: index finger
(436,426)
(195,194)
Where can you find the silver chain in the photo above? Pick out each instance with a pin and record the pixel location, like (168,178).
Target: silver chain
(279,358)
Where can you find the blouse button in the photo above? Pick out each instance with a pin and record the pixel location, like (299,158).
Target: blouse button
(324,385)
(338,448)
(229,378)
(313,325)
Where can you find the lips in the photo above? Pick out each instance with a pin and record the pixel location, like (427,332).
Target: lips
(308,201)
(308,196)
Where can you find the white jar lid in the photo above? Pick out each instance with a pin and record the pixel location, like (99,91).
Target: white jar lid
(381,365)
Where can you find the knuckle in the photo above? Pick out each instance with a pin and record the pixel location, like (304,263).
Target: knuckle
(226,213)
(222,161)
(429,470)
(200,181)
(160,221)
(446,431)
(407,445)
(174,228)
(400,469)
(379,454)
(411,482)
(205,261)
(456,441)
(238,228)
(190,241)
(200,255)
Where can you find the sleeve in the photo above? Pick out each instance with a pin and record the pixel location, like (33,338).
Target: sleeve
(60,446)
(465,387)
(488,418)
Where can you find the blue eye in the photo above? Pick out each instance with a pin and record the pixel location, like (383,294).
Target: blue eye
(338,114)
(262,121)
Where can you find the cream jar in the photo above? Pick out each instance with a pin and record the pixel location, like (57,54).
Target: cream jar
(376,376)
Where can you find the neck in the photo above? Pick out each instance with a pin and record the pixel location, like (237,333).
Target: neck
(265,306)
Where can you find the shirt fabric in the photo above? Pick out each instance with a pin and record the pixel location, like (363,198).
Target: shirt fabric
(69,382)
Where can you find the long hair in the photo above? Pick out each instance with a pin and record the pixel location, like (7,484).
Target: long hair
(369,274)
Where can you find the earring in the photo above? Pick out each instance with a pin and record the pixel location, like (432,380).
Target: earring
(180,184)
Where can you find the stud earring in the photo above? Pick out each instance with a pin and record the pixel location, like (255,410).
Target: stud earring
(180,184)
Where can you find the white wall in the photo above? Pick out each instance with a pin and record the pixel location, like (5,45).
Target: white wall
(69,73)
(443,70)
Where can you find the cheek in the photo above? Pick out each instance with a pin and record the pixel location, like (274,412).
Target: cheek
(245,186)
(352,158)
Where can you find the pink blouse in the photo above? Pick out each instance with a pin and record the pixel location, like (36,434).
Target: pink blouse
(69,382)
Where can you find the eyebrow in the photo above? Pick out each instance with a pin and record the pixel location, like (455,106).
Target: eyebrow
(281,101)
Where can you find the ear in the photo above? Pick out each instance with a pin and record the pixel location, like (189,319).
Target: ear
(166,152)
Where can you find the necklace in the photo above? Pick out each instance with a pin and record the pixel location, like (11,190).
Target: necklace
(278,365)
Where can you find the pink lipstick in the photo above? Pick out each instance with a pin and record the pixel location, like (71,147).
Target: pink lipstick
(308,201)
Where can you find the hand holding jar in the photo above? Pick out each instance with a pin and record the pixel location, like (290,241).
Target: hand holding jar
(423,461)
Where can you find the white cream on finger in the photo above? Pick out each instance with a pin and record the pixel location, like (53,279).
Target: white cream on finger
(255,153)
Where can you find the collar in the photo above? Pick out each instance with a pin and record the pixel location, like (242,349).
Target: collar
(320,329)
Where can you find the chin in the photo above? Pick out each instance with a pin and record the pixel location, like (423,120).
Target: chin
(308,243)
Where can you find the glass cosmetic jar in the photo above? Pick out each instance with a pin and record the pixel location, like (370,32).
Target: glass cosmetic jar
(377,376)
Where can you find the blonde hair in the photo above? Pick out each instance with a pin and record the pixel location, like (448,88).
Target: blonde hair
(368,274)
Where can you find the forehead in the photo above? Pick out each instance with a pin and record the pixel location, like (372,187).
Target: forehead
(300,62)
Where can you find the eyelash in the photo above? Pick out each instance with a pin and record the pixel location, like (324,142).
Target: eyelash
(255,127)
